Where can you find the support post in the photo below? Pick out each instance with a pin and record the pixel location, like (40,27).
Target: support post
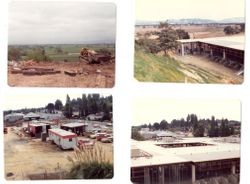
(224,54)
(182,49)
(233,169)
(146,175)
(161,175)
(193,173)
(211,52)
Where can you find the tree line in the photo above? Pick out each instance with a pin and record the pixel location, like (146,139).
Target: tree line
(36,53)
(231,30)
(199,127)
(87,104)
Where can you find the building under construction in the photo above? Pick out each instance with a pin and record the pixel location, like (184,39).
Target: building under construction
(184,161)
(228,51)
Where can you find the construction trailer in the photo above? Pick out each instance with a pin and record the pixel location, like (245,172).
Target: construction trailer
(77,128)
(62,138)
(36,129)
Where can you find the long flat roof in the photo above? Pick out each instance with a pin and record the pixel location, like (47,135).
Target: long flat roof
(216,150)
(233,42)
(38,124)
(73,125)
(62,133)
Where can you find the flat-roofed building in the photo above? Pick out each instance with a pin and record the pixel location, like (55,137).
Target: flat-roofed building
(183,161)
(75,127)
(37,128)
(226,50)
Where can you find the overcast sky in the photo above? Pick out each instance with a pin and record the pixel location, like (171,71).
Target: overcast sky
(12,101)
(158,10)
(61,22)
(150,110)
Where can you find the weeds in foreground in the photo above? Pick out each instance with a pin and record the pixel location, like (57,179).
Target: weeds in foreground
(90,164)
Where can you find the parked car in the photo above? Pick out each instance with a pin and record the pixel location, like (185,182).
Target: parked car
(107,139)
(99,136)
(85,143)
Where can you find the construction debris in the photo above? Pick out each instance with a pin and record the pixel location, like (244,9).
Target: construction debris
(29,63)
(34,71)
(71,73)
(98,71)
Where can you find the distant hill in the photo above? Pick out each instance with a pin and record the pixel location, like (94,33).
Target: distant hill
(194,21)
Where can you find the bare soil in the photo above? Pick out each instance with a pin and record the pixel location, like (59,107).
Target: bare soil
(93,76)
(25,156)
(212,67)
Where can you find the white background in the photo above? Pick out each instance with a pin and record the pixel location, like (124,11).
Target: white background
(126,88)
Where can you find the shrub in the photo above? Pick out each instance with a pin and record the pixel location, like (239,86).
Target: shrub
(90,164)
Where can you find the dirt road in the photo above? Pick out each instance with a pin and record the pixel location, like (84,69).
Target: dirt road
(226,74)
(30,156)
(94,76)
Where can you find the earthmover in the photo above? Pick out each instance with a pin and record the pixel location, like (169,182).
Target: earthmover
(91,57)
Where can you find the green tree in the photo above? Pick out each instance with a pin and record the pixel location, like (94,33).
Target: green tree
(229,30)
(163,125)
(84,105)
(224,128)
(150,126)
(14,54)
(68,110)
(213,129)
(156,126)
(51,108)
(167,38)
(38,54)
(182,34)
(136,135)
(58,105)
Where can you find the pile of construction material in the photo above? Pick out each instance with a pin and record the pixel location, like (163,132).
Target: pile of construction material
(34,71)
(29,68)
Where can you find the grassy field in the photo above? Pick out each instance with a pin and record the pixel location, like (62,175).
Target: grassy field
(69,52)
(153,68)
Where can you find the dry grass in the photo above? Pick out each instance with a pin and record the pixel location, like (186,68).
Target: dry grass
(83,155)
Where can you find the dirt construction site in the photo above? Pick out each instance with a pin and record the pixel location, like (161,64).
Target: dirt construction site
(62,74)
(27,158)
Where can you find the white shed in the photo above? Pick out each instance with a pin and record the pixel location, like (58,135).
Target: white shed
(63,138)
(13,117)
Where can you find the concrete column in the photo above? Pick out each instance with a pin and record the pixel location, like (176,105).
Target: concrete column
(233,169)
(193,173)
(211,52)
(146,175)
(182,50)
(161,175)
(224,54)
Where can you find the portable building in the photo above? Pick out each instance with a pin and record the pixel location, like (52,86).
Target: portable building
(78,128)
(36,129)
(31,116)
(63,138)
(13,117)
